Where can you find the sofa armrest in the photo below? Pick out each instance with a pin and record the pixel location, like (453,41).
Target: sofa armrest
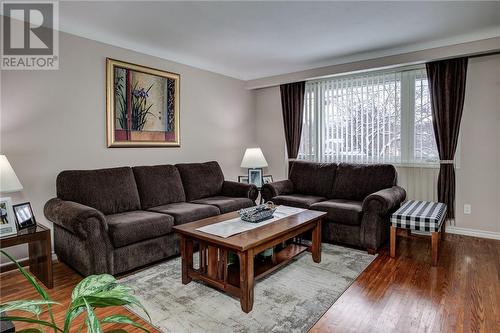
(241,190)
(271,190)
(384,201)
(74,217)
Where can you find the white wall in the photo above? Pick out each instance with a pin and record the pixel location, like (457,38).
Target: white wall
(478,177)
(55,120)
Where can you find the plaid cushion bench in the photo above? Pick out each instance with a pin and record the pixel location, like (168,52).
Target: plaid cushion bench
(421,216)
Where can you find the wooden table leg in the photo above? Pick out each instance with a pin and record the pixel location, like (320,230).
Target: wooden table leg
(393,241)
(40,259)
(443,230)
(212,262)
(435,247)
(187,258)
(316,242)
(246,280)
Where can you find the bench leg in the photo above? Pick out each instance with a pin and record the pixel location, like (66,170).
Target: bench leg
(435,247)
(443,227)
(393,241)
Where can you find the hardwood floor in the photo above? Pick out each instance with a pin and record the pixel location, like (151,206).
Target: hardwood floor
(405,294)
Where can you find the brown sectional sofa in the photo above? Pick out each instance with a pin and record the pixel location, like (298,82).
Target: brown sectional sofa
(358,199)
(115,220)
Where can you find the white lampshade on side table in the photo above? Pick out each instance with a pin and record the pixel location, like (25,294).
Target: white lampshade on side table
(9,183)
(254,161)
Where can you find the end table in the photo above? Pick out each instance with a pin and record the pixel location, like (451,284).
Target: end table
(39,248)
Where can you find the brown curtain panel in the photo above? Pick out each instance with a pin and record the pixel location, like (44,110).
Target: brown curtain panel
(447,89)
(292,106)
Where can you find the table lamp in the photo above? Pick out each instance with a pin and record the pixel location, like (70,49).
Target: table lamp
(9,183)
(8,180)
(254,161)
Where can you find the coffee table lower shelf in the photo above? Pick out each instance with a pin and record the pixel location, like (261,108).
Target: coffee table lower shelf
(237,279)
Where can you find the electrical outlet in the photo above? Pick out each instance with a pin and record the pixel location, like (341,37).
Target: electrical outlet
(467,209)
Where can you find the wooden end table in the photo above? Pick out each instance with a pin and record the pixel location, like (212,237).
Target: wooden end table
(238,280)
(39,248)
(421,216)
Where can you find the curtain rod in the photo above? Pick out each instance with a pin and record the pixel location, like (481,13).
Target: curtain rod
(417,65)
(485,54)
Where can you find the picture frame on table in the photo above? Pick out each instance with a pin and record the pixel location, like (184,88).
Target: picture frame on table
(255,177)
(243,179)
(24,216)
(267,179)
(7,220)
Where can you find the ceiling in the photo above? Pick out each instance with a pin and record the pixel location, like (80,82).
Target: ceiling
(249,40)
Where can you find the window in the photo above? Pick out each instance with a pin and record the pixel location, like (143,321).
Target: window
(369,118)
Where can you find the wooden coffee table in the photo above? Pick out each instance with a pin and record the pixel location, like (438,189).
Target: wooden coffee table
(238,280)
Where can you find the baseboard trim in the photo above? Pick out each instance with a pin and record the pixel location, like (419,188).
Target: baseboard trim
(472,232)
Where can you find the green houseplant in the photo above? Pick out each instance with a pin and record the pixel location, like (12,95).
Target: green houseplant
(95,291)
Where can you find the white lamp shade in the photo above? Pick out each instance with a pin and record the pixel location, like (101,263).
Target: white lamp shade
(253,158)
(8,179)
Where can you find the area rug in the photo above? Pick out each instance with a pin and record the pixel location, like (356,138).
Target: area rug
(290,299)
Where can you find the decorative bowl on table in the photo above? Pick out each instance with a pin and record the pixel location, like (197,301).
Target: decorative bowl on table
(258,213)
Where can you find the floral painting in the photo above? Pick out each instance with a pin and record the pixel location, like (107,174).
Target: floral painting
(143,106)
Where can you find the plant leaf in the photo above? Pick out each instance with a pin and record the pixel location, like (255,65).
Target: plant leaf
(30,330)
(71,314)
(92,284)
(124,296)
(93,325)
(120,319)
(35,284)
(31,321)
(28,277)
(32,306)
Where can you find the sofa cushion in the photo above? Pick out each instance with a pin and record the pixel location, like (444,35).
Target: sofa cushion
(226,204)
(357,181)
(132,227)
(110,191)
(312,178)
(341,211)
(201,180)
(296,200)
(184,212)
(158,185)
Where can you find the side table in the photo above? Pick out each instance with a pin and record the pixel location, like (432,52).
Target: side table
(39,248)
(422,216)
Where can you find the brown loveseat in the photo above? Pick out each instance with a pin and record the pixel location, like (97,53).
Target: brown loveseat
(115,220)
(358,199)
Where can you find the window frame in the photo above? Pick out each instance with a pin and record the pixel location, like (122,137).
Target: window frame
(408,75)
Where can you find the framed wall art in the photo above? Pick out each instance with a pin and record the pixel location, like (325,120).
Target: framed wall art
(142,106)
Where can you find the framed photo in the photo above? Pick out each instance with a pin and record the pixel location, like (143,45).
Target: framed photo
(7,224)
(142,106)
(267,179)
(243,179)
(24,216)
(255,177)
